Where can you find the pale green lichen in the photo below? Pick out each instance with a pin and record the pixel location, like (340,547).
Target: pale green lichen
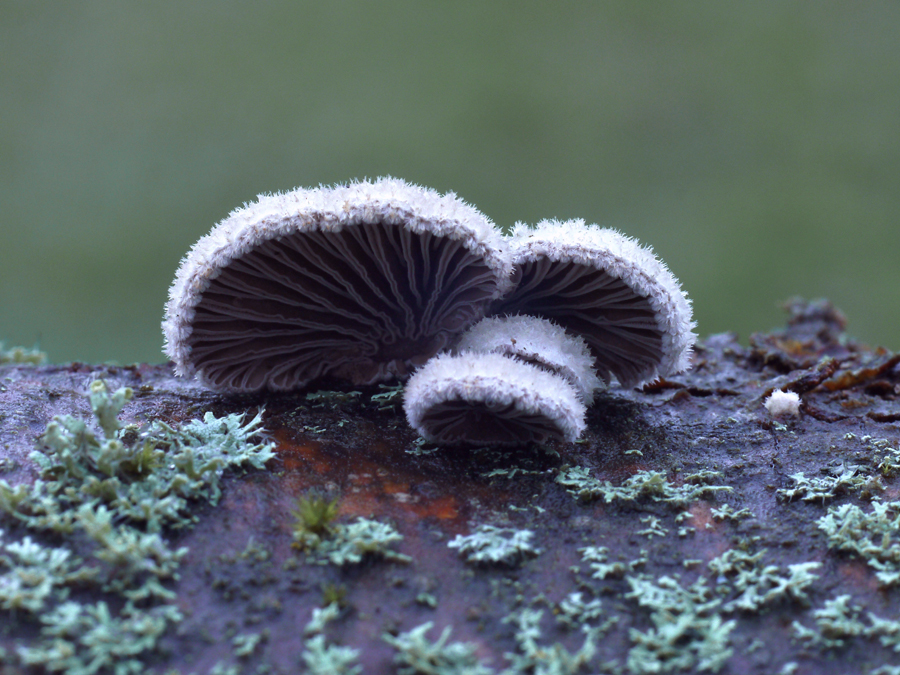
(22,356)
(726,511)
(573,611)
(654,527)
(542,659)
(390,398)
(322,657)
(245,644)
(687,632)
(349,543)
(596,557)
(828,487)
(757,585)
(111,495)
(321,399)
(838,621)
(495,545)
(145,476)
(644,484)
(875,536)
(417,655)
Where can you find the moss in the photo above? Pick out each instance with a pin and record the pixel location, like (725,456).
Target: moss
(314,515)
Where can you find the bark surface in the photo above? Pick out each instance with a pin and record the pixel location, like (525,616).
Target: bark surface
(244,575)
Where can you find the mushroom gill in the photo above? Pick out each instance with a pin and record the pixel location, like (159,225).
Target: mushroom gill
(478,399)
(605,287)
(361,281)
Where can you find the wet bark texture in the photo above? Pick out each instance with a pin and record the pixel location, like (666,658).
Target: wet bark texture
(242,574)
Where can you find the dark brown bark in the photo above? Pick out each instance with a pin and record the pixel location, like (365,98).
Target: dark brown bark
(242,574)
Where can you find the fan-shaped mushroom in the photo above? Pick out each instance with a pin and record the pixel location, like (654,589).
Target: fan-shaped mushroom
(605,287)
(360,281)
(539,342)
(491,399)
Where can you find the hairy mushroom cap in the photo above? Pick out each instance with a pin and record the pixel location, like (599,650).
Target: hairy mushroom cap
(491,400)
(606,287)
(360,281)
(539,342)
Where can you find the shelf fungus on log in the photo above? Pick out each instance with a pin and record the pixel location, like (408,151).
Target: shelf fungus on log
(607,288)
(361,282)
(485,399)
(539,342)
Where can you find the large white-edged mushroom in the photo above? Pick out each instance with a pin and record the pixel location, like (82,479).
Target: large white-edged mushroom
(362,282)
(607,288)
(484,399)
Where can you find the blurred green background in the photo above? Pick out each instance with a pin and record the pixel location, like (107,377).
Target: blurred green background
(755,146)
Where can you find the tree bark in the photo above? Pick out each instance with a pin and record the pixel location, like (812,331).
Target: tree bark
(243,576)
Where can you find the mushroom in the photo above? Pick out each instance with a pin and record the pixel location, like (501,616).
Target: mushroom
(607,288)
(539,342)
(481,399)
(361,281)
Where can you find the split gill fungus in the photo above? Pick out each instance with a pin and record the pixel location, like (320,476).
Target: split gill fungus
(488,399)
(607,288)
(376,280)
(362,282)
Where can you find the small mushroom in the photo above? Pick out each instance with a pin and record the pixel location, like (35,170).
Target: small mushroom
(361,281)
(607,288)
(539,342)
(479,399)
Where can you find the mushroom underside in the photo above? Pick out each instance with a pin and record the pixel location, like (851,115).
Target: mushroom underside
(489,399)
(485,423)
(365,304)
(619,326)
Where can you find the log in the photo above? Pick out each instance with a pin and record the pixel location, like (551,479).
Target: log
(689,530)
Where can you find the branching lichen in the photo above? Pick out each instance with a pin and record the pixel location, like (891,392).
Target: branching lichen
(644,484)
(836,622)
(555,659)
(22,356)
(875,536)
(417,655)
(756,585)
(495,545)
(349,543)
(322,657)
(112,495)
(815,489)
(687,632)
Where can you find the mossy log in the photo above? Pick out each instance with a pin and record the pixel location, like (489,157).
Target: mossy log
(668,479)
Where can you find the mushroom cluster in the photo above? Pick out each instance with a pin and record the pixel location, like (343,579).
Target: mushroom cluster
(382,279)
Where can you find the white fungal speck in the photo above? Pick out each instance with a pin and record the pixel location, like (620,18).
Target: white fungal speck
(783,403)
